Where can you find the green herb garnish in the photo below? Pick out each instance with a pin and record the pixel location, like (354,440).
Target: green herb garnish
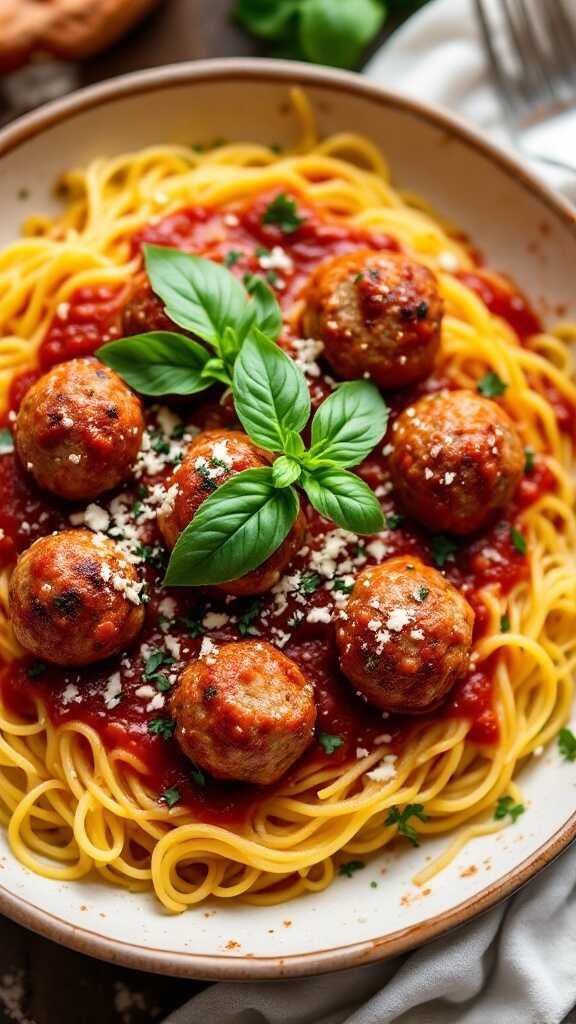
(422,593)
(506,806)
(197,775)
(309,582)
(6,441)
(351,867)
(504,623)
(491,385)
(163,727)
(518,540)
(529,460)
(393,520)
(443,548)
(283,212)
(567,744)
(329,743)
(170,797)
(342,586)
(402,820)
(247,617)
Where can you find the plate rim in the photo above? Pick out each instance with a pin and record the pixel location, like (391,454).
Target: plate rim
(216,967)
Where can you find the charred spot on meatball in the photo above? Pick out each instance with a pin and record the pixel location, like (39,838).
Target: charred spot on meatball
(75,599)
(456,461)
(79,430)
(244,711)
(377,314)
(405,636)
(212,458)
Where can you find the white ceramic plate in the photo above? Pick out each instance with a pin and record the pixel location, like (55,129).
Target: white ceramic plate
(522,228)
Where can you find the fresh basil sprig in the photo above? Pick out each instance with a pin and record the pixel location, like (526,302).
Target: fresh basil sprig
(239,526)
(202,297)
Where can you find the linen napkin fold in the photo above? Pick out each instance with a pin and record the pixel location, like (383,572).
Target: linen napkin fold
(517,963)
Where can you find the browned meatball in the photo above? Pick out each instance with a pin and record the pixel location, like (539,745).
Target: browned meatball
(243,711)
(213,457)
(378,314)
(75,598)
(405,636)
(79,429)
(456,460)
(145,312)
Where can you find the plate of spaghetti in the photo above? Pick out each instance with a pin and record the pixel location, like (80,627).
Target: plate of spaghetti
(287,532)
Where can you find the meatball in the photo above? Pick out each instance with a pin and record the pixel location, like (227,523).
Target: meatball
(377,313)
(244,711)
(213,457)
(79,429)
(405,636)
(145,312)
(456,460)
(75,598)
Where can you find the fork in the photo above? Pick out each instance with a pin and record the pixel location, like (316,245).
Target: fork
(531,51)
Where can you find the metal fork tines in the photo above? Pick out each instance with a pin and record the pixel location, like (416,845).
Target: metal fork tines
(531,49)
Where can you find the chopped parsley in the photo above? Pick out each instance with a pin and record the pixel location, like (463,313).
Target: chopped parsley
(309,582)
(153,556)
(329,743)
(197,775)
(157,659)
(342,586)
(6,442)
(421,310)
(567,744)
(296,618)
(358,277)
(283,212)
(422,593)
(210,692)
(170,797)
(163,727)
(443,548)
(161,682)
(507,806)
(402,820)
(36,669)
(351,867)
(529,460)
(159,444)
(252,612)
(393,520)
(373,885)
(518,540)
(193,624)
(491,385)
(504,623)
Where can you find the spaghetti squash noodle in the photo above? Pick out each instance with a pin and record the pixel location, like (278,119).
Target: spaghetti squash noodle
(85,786)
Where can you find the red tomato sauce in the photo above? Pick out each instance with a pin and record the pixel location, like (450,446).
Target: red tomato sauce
(95,315)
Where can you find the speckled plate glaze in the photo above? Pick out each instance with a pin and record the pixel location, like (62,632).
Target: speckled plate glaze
(521,227)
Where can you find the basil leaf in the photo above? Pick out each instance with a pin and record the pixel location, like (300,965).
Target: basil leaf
(235,529)
(343,497)
(349,423)
(270,393)
(159,363)
(267,313)
(285,471)
(202,296)
(337,32)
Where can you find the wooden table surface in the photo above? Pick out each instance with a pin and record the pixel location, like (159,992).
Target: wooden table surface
(40,982)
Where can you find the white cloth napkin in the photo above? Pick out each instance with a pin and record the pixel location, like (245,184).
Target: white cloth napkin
(517,963)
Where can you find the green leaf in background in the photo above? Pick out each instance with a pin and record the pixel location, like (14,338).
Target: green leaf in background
(159,363)
(235,529)
(343,497)
(337,32)
(349,423)
(267,19)
(270,393)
